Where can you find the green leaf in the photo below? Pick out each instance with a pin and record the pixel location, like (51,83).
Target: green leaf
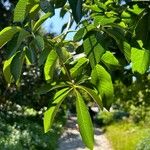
(43,56)
(79,35)
(34,10)
(39,42)
(31,55)
(20,11)
(78,66)
(6,70)
(59,3)
(76,6)
(93,95)
(47,6)
(118,34)
(16,65)
(7,33)
(51,112)
(41,20)
(48,87)
(102,80)
(84,122)
(49,65)
(110,60)
(16,42)
(103,20)
(140,59)
(93,50)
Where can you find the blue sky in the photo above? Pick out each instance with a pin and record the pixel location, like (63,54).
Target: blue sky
(55,24)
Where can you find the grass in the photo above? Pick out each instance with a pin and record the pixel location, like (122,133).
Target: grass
(125,135)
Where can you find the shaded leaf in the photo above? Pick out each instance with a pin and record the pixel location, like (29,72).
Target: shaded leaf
(47,6)
(59,3)
(16,65)
(76,6)
(118,34)
(48,87)
(39,42)
(43,56)
(31,55)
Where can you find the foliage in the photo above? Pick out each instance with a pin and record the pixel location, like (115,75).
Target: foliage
(110,35)
(144,144)
(134,98)
(125,135)
(21,128)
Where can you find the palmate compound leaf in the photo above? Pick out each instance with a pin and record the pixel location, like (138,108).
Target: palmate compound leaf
(102,80)
(84,122)
(7,33)
(51,112)
(140,59)
(49,65)
(20,10)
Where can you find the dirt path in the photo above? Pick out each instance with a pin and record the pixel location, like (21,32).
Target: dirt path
(71,140)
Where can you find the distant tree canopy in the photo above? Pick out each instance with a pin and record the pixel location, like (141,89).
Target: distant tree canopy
(110,36)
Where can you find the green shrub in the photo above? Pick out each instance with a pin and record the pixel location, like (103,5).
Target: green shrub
(144,144)
(21,129)
(104,118)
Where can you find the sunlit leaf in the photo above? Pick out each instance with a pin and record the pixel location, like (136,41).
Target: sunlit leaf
(49,65)
(78,66)
(7,33)
(84,122)
(20,11)
(51,112)
(93,50)
(41,20)
(93,95)
(140,59)
(6,70)
(102,80)
(110,60)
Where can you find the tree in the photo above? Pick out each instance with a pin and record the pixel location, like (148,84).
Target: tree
(109,37)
